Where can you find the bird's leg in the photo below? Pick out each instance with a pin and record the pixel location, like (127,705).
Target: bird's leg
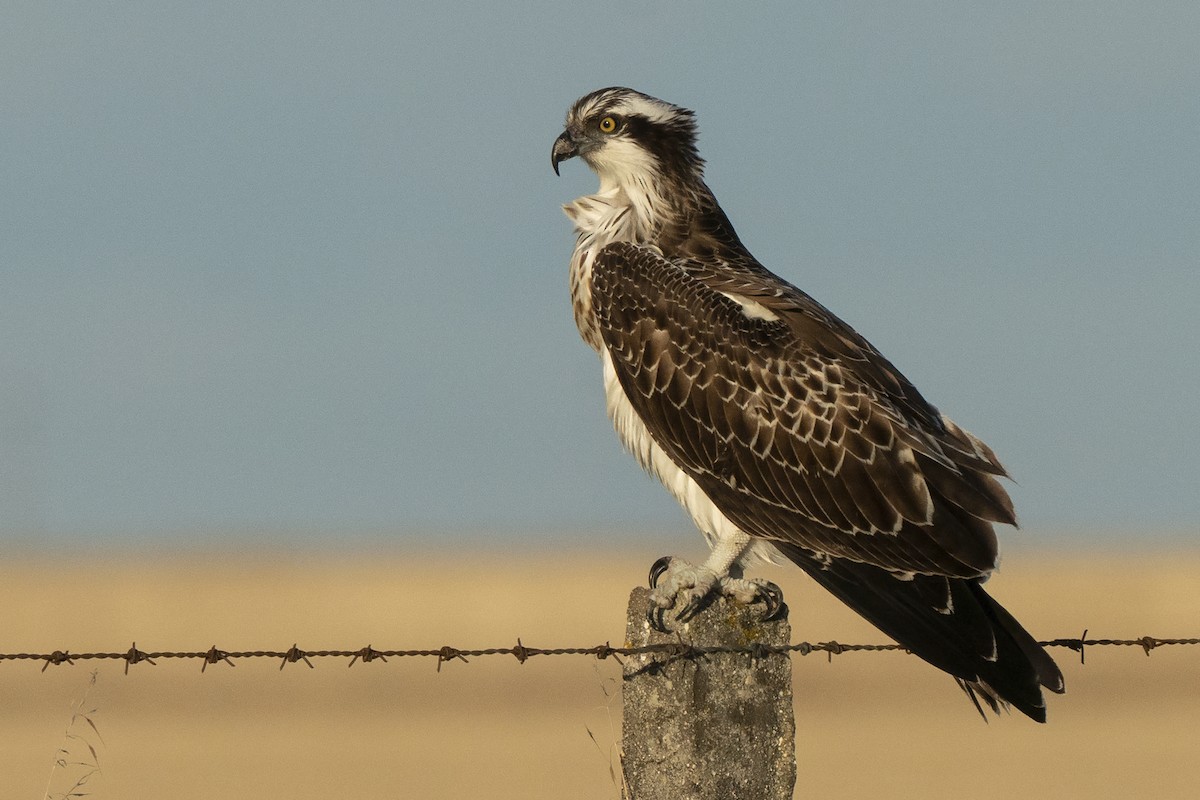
(674,581)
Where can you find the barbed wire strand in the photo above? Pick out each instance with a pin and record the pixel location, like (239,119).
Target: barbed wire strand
(523,653)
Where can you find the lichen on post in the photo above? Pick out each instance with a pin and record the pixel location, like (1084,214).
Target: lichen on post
(716,726)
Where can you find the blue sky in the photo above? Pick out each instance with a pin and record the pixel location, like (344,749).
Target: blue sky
(302,266)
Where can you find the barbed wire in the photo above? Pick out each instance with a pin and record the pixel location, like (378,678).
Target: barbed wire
(522,652)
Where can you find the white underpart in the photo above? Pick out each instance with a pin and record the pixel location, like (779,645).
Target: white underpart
(601,218)
(624,210)
(730,545)
(752,308)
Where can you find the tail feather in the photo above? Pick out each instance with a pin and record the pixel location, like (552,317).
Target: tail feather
(950,622)
(1047,671)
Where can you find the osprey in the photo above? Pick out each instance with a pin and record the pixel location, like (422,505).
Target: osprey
(781,430)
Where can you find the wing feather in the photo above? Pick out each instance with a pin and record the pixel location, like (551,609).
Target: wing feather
(797,429)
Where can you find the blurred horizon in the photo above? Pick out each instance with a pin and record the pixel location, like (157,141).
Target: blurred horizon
(511,541)
(497,728)
(301,269)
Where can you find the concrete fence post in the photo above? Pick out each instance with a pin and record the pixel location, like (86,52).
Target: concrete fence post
(708,727)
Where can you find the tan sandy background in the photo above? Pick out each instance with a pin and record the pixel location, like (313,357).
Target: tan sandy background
(870,725)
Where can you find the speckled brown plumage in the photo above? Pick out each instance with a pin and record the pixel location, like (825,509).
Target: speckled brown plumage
(739,390)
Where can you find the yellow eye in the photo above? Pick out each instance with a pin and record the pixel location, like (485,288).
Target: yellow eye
(608,124)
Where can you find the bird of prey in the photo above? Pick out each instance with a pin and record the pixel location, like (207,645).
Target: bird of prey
(783,432)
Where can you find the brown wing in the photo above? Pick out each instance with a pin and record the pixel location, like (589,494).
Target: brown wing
(796,428)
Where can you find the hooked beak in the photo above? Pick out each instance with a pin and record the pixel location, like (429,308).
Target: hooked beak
(564,148)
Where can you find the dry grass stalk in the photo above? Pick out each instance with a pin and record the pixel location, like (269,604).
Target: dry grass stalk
(70,762)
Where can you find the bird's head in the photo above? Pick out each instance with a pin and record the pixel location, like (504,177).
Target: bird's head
(626,136)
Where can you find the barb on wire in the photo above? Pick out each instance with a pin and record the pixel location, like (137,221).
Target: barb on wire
(135,656)
(523,652)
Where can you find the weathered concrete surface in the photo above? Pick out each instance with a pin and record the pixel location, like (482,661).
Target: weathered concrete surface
(714,727)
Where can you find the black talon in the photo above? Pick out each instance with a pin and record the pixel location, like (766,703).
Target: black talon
(773,598)
(655,617)
(694,607)
(779,612)
(657,569)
